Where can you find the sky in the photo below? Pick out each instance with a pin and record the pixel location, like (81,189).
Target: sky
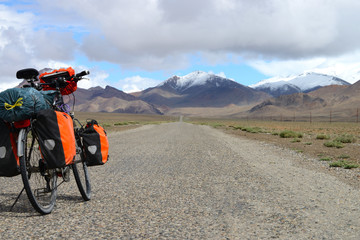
(133,45)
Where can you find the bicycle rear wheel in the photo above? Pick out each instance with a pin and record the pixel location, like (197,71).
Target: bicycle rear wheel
(39,182)
(81,173)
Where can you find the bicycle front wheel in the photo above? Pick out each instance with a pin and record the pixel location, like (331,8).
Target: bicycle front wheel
(81,173)
(39,182)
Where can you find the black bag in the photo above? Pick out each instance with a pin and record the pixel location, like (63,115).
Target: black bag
(57,139)
(9,160)
(96,144)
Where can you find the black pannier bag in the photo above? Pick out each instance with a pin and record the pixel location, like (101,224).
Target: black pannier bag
(96,144)
(57,139)
(9,161)
(17,104)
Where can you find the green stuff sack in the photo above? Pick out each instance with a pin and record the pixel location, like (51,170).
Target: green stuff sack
(9,160)
(17,104)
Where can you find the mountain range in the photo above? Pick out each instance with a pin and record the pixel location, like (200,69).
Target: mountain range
(303,83)
(336,101)
(209,95)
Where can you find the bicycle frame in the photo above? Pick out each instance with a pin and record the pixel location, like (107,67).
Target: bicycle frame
(31,159)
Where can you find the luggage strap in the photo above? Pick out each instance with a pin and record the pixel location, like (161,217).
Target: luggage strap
(18,103)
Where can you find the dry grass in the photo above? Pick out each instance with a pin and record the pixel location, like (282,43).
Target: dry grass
(345,133)
(326,128)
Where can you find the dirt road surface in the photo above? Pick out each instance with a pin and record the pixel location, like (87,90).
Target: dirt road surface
(182,181)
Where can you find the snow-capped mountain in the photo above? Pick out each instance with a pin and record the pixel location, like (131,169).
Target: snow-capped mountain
(197,78)
(306,82)
(201,89)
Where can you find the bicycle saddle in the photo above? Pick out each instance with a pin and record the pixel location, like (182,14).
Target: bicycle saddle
(27,73)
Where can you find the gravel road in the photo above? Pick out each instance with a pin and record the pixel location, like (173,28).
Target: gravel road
(181,181)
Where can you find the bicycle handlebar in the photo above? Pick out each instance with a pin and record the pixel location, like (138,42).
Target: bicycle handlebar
(83,73)
(56,80)
(61,79)
(65,75)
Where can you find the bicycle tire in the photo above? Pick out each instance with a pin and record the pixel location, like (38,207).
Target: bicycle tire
(81,173)
(40,183)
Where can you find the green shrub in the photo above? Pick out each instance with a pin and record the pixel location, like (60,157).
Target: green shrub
(325,159)
(121,123)
(295,140)
(334,144)
(245,129)
(290,134)
(251,129)
(344,164)
(350,166)
(344,156)
(337,164)
(255,130)
(308,143)
(346,139)
(133,122)
(216,125)
(323,137)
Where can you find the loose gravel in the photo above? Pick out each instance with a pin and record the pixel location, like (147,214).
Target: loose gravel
(181,181)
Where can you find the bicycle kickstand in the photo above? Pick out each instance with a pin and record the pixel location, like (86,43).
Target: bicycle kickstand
(17,199)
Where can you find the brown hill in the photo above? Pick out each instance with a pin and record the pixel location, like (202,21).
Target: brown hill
(294,101)
(116,105)
(110,99)
(336,102)
(337,96)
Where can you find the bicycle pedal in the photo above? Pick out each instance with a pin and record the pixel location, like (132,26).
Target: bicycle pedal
(66,174)
(41,192)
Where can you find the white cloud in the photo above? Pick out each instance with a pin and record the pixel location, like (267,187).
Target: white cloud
(13,47)
(285,67)
(345,66)
(96,78)
(52,45)
(277,37)
(23,46)
(221,74)
(136,83)
(5,85)
(151,34)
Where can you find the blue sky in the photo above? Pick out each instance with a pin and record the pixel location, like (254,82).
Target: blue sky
(137,44)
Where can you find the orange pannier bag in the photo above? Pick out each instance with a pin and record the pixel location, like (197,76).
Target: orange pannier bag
(96,144)
(67,72)
(57,139)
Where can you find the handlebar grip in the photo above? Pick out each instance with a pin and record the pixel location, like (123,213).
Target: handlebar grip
(83,73)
